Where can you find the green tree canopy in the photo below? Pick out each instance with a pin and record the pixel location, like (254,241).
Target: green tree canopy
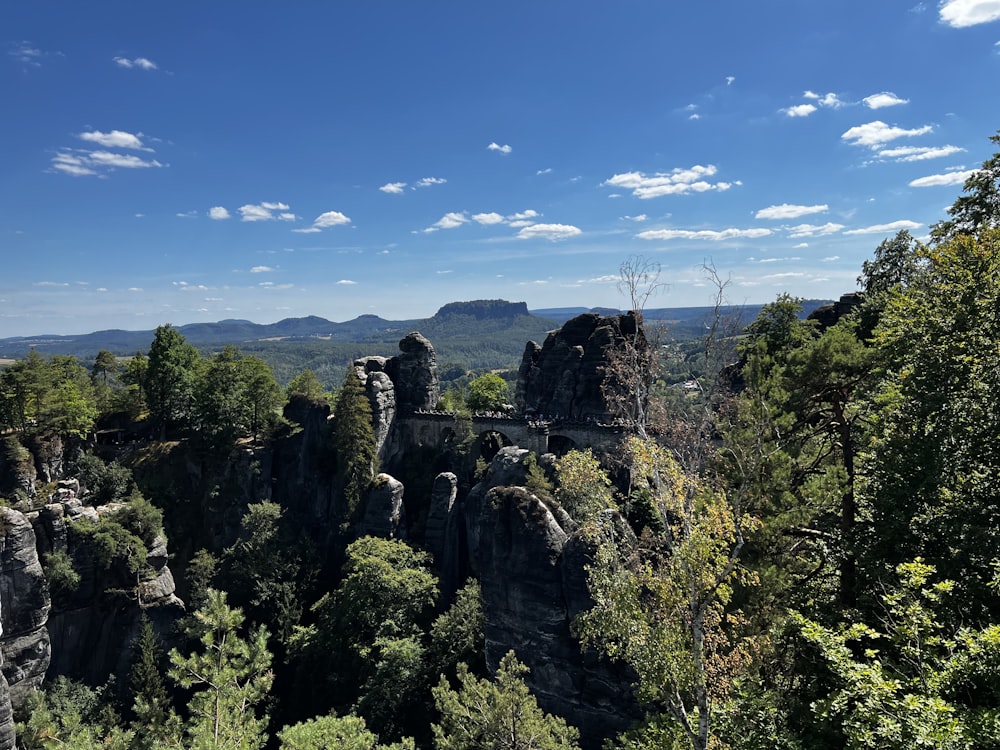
(488,393)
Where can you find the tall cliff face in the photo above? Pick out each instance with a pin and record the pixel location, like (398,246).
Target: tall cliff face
(7,737)
(24,607)
(530,560)
(564,376)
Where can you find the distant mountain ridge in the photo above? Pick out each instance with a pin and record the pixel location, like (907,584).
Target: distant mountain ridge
(450,321)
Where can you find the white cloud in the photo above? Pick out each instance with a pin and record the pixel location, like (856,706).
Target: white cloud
(123,161)
(948,178)
(504,149)
(138,62)
(800,110)
(874,134)
(428,181)
(448,221)
(192,214)
(703,234)
(549,232)
(637,218)
(522,215)
(800,245)
(962,13)
(730,80)
(394,188)
(330,219)
(883,99)
(830,100)
(71,164)
(490,218)
(51,283)
(114,139)
(308,230)
(265,212)
(219,213)
(261,269)
(918,153)
(830,259)
(547,170)
(346,282)
(677,182)
(895,226)
(608,279)
(789,211)
(814,230)
(694,116)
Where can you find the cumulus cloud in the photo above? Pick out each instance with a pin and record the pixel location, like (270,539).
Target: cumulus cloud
(948,178)
(814,230)
(830,100)
(346,282)
(142,63)
(547,170)
(702,234)
(504,149)
(918,153)
(428,181)
(261,269)
(789,211)
(895,226)
(548,231)
(874,134)
(883,99)
(393,188)
(963,13)
(29,56)
(637,218)
(266,212)
(114,139)
(676,182)
(491,218)
(330,219)
(448,221)
(219,213)
(800,110)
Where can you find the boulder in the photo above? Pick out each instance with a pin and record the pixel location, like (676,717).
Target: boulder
(414,371)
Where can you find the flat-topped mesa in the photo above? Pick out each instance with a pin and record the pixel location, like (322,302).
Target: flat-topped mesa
(565,376)
(484,309)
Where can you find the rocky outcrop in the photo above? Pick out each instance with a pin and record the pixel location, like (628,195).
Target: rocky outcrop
(414,371)
(384,513)
(531,563)
(24,607)
(89,625)
(828,315)
(399,385)
(565,376)
(17,469)
(444,536)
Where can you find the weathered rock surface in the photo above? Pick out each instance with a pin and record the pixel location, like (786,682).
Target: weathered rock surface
(17,469)
(384,513)
(444,535)
(90,626)
(530,562)
(24,607)
(7,738)
(414,371)
(564,376)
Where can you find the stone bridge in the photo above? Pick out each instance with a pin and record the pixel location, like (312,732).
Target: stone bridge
(438,429)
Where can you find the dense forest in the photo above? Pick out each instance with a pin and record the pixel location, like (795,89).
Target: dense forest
(801,549)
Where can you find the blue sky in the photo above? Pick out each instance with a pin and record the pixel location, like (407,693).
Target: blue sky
(193,161)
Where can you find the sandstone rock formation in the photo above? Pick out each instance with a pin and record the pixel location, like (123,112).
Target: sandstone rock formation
(564,376)
(7,738)
(384,513)
(828,315)
(17,469)
(24,607)
(530,561)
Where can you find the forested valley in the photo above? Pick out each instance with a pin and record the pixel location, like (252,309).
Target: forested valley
(793,543)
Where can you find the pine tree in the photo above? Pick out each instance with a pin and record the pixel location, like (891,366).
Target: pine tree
(355,440)
(231,676)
